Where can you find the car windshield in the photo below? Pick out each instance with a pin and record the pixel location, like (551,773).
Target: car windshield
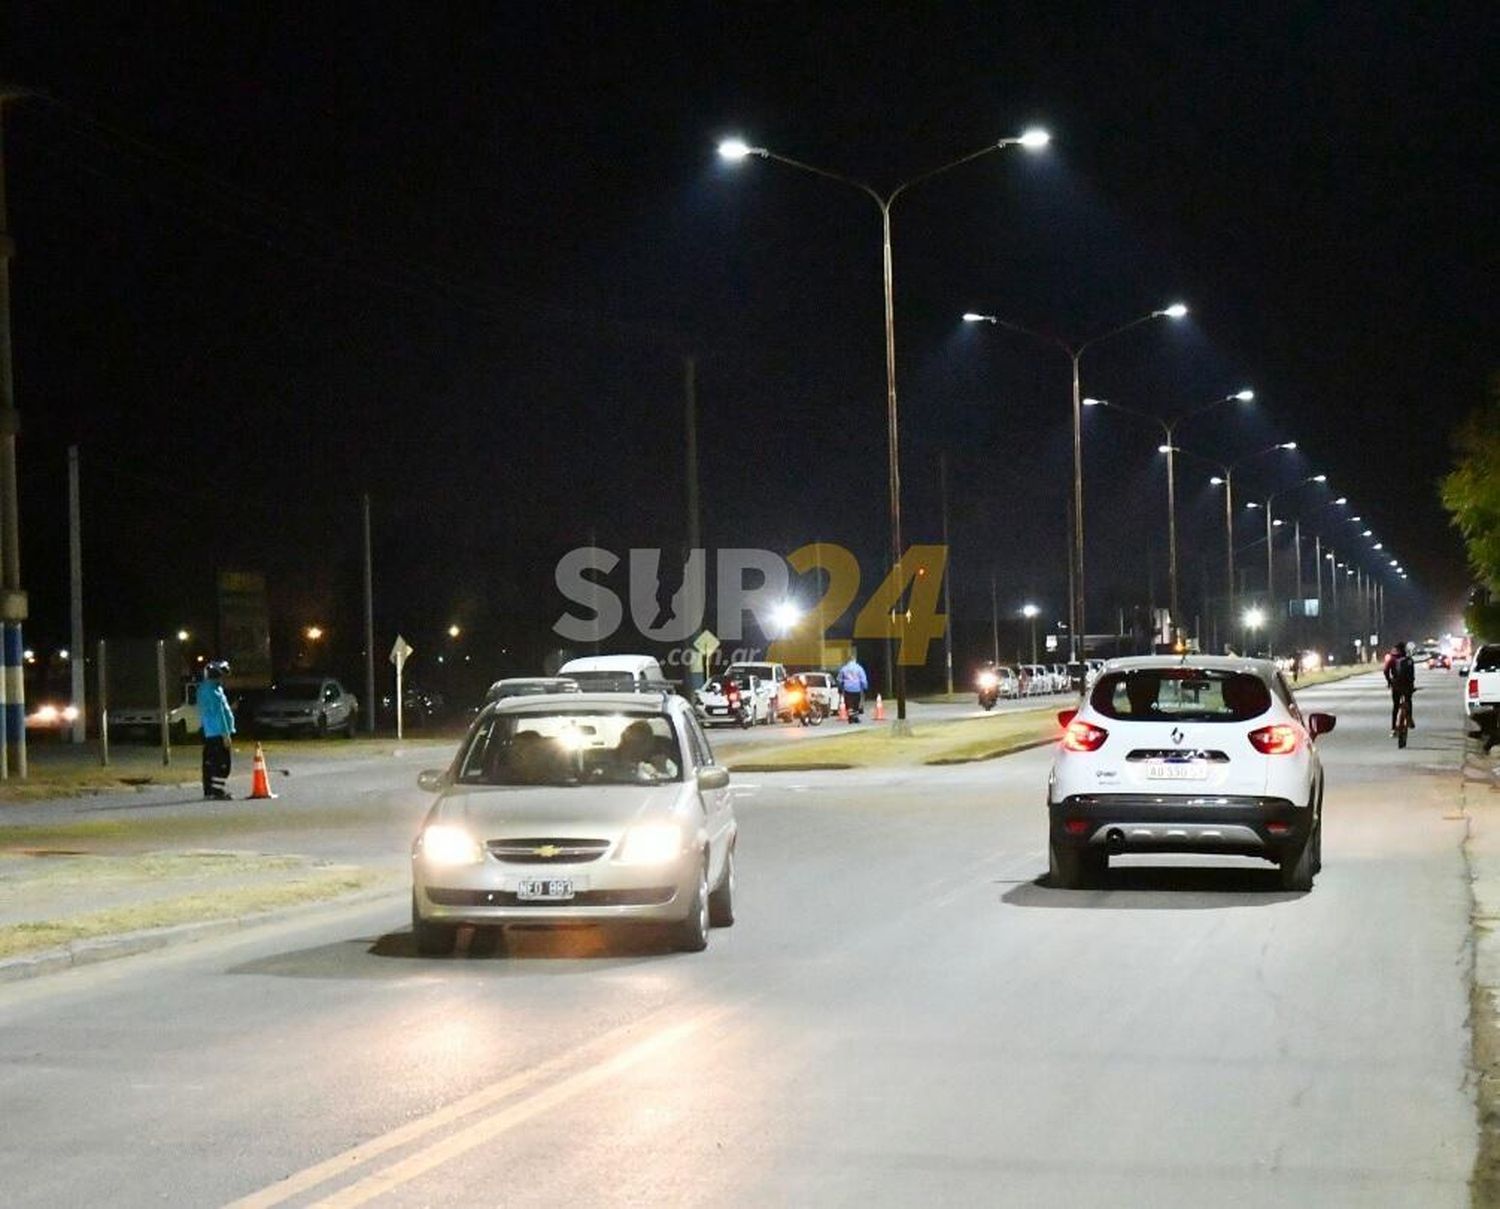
(1488,659)
(296,690)
(763,670)
(530,688)
(1180,694)
(570,749)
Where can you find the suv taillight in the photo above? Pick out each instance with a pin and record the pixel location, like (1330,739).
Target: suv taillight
(1083,736)
(1473,688)
(1278,740)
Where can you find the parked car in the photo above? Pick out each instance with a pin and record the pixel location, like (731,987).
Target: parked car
(770,677)
(1202,754)
(714,705)
(1010,681)
(617,674)
(317,705)
(598,808)
(51,716)
(144,721)
(823,688)
(1482,688)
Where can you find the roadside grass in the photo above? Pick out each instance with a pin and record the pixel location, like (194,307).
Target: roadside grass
(60,771)
(93,834)
(317,885)
(948,742)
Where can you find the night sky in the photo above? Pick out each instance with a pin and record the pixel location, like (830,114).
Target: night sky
(270,258)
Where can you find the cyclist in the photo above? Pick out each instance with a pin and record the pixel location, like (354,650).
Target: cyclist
(1401,678)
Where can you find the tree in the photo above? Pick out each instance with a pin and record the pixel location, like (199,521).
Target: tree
(1471,494)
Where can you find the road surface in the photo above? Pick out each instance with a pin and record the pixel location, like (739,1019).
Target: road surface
(904,1014)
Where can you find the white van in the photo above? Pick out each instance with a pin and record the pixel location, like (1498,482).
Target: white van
(771,677)
(616,674)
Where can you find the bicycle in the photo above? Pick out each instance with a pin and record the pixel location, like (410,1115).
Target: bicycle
(1403,719)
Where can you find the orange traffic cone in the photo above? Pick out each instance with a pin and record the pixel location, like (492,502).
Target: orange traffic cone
(843,709)
(879,708)
(260,783)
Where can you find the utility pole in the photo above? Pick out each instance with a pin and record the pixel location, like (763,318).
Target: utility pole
(994,622)
(694,536)
(947,574)
(369,626)
(12,598)
(1297,548)
(75,567)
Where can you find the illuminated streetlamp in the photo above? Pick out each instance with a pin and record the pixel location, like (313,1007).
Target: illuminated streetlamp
(1030,611)
(1074,353)
(454,631)
(735,150)
(1169,430)
(182,635)
(313,633)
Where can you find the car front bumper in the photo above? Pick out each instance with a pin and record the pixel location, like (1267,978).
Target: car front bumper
(604,891)
(1230,824)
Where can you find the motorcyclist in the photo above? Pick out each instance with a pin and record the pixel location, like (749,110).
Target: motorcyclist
(854,684)
(1401,677)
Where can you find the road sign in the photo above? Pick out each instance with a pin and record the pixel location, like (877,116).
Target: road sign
(706,643)
(400,652)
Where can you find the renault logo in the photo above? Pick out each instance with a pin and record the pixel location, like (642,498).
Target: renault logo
(1177,735)
(547,851)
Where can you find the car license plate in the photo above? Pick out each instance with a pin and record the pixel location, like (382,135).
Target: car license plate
(1164,770)
(545,889)
(718,709)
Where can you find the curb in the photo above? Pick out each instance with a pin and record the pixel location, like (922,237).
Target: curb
(1475,804)
(991,755)
(790,767)
(128,944)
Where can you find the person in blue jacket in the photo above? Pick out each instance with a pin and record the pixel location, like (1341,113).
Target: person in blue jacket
(218,730)
(853,683)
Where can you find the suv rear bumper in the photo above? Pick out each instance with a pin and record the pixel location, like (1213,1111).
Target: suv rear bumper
(1127,822)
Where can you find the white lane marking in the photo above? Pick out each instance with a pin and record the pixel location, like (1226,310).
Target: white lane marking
(493,1125)
(486,1097)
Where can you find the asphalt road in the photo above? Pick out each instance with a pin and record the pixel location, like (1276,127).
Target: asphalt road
(903,1015)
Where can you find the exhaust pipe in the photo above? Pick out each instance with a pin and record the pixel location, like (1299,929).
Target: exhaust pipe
(1114,839)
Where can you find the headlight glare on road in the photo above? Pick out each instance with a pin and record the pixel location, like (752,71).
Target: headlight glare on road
(652,844)
(445,844)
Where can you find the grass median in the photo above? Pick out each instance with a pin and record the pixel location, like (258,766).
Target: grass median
(52,901)
(876,745)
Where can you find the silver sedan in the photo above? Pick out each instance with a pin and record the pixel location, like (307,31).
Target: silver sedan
(572,808)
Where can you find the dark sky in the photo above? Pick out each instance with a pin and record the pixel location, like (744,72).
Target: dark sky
(271,257)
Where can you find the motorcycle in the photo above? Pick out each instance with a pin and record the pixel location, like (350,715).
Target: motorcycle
(801,706)
(988,684)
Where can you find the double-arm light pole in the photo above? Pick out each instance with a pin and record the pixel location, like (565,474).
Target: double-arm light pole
(1270,548)
(736,150)
(1075,353)
(1170,448)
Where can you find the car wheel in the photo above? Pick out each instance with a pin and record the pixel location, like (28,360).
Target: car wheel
(721,901)
(1071,868)
(432,939)
(1297,867)
(1317,864)
(691,935)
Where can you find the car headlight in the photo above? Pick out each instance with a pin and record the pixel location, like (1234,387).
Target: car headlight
(47,713)
(652,844)
(70,713)
(988,680)
(445,844)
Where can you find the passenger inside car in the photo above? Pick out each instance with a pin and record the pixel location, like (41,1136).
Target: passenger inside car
(641,756)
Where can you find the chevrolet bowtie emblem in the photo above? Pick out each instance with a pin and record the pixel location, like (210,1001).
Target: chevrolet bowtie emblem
(1177,734)
(547,851)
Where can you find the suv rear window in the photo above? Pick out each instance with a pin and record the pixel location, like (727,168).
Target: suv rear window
(1488,658)
(1180,694)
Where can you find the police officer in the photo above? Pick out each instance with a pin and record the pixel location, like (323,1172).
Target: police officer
(218,728)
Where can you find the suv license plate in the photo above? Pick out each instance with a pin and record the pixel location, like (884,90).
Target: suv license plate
(544,889)
(1162,770)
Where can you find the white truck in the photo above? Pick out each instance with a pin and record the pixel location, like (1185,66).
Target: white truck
(144,721)
(770,677)
(1482,691)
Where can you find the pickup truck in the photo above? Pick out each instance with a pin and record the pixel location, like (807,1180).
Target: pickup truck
(1482,692)
(144,721)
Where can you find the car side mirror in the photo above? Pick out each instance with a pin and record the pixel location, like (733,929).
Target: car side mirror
(433,780)
(713,778)
(1064,716)
(1321,724)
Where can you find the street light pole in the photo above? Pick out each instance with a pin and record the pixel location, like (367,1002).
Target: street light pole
(1029,612)
(994,621)
(735,150)
(1076,620)
(947,576)
(12,597)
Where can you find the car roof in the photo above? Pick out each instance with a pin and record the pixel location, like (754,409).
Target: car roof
(613,703)
(609,663)
(529,680)
(1263,668)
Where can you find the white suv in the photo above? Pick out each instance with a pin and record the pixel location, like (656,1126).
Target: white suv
(1187,754)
